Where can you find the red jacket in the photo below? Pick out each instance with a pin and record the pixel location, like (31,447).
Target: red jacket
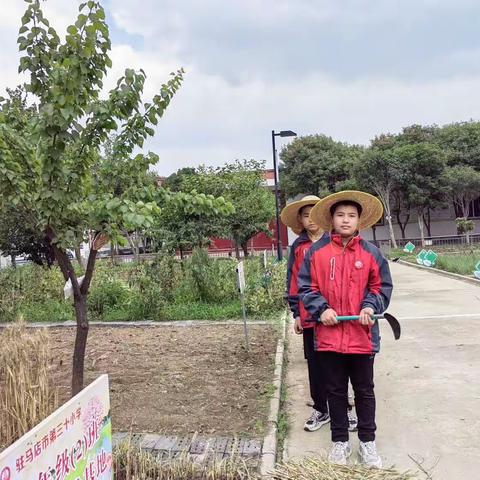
(346,279)
(295,260)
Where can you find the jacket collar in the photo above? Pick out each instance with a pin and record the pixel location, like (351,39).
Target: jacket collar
(353,242)
(303,237)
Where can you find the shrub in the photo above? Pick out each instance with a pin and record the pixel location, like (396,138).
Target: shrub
(106,295)
(48,311)
(197,288)
(265,292)
(28,285)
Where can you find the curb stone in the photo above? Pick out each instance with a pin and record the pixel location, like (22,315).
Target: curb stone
(146,323)
(269,450)
(455,276)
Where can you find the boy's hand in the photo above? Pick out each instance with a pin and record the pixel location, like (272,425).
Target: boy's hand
(366,316)
(297,326)
(329,317)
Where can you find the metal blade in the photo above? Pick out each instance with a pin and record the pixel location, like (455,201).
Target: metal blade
(393,322)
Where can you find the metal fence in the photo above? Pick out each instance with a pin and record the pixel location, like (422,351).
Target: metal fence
(453,242)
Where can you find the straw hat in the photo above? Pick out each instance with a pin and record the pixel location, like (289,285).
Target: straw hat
(372,209)
(289,214)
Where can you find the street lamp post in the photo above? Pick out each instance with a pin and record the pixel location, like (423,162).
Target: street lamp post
(283,133)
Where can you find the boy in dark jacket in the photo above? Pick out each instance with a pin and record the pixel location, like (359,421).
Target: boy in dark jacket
(345,275)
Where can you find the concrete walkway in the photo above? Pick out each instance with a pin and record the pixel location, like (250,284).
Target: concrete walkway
(427,383)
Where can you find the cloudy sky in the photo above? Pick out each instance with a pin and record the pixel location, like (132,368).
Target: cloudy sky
(348,68)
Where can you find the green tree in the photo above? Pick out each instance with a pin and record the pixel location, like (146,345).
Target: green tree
(463,183)
(243,184)
(19,237)
(175,180)
(129,179)
(379,170)
(48,164)
(178,229)
(423,179)
(401,201)
(461,143)
(315,164)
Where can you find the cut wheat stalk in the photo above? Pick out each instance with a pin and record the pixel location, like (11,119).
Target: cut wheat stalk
(26,393)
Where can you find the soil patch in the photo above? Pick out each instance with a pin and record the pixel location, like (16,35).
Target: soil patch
(178,380)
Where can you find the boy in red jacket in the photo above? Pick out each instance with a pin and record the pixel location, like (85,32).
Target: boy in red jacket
(345,275)
(296,215)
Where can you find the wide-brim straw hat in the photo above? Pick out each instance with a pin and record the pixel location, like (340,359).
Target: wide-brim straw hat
(372,209)
(289,214)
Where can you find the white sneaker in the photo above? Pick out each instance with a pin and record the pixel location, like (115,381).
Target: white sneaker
(339,453)
(369,456)
(316,420)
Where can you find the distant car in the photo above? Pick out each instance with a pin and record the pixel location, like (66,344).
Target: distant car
(103,253)
(125,251)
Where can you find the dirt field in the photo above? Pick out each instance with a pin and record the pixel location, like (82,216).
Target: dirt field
(179,380)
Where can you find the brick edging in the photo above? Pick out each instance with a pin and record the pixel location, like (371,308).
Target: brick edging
(269,450)
(140,323)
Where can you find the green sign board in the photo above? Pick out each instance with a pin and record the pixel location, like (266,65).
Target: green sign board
(409,247)
(476,273)
(421,256)
(430,259)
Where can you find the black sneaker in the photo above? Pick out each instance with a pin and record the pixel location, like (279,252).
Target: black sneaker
(316,421)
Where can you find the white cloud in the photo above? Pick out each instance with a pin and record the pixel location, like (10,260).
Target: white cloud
(238,86)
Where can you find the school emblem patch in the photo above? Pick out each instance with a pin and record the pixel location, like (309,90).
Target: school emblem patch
(358,264)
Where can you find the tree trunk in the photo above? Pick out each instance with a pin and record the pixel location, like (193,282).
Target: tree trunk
(78,256)
(133,246)
(385,197)
(80,343)
(420,226)
(13,261)
(466,213)
(112,252)
(80,294)
(402,225)
(428,222)
(237,250)
(245,249)
(392,234)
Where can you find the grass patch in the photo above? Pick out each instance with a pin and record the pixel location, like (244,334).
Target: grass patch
(202,311)
(460,261)
(283,425)
(461,264)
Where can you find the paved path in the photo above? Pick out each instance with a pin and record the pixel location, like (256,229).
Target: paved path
(427,383)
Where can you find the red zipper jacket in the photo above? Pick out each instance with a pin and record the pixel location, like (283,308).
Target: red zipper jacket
(346,279)
(298,251)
